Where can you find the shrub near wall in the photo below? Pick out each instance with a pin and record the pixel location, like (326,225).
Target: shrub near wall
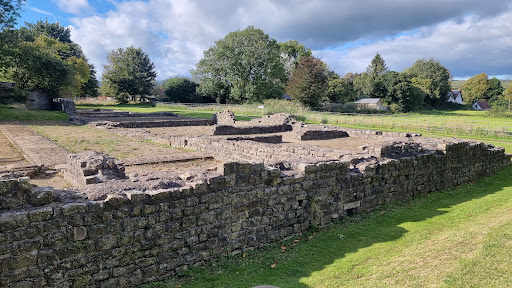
(143,237)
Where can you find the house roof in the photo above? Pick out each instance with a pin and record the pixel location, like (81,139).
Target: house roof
(483,104)
(368,101)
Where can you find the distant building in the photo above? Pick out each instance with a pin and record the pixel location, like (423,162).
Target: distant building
(481,105)
(370,104)
(455,96)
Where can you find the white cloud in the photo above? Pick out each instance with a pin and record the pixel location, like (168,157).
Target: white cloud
(466,48)
(175,32)
(40,11)
(73,6)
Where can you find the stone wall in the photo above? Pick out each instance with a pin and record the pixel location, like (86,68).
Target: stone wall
(142,237)
(246,130)
(37,100)
(65,105)
(92,167)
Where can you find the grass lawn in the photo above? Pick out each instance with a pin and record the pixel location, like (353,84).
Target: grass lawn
(10,113)
(456,238)
(83,138)
(148,108)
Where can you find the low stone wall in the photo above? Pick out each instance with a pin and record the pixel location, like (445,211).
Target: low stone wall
(251,151)
(65,105)
(17,194)
(305,134)
(246,130)
(259,138)
(153,124)
(144,237)
(37,100)
(92,167)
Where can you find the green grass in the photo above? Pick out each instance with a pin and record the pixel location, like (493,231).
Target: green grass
(456,238)
(148,108)
(10,113)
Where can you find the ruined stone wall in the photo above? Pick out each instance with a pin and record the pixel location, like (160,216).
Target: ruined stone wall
(65,105)
(250,151)
(37,100)
(139,238)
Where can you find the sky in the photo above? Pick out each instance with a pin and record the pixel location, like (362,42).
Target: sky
(468,37)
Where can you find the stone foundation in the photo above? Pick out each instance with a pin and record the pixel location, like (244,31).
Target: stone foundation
(93,167)
(134,238)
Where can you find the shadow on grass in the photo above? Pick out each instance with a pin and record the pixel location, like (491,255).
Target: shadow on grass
(334,243)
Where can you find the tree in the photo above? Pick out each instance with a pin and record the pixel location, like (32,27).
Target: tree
(340,91)
(180,89)
(10,12)
(128,74)
(475,88)
(432,78)
(38,68)
(244,66)
(507,94)
(291,52)
(308,82)
(52,39)
(402,93)
(495,89)
(362,85)
(377,67)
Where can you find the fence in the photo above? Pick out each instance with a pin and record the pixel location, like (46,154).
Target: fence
(456,125)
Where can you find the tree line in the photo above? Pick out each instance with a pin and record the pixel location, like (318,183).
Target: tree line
(245,66)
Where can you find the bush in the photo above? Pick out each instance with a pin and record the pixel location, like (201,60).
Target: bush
(16,95)
(498,112)
(273,106)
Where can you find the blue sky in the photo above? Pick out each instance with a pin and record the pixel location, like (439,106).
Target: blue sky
(467,36)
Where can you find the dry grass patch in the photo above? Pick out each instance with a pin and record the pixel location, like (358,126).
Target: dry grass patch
(84,138)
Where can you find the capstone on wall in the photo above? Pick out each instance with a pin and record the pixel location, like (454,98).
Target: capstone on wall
(134,238)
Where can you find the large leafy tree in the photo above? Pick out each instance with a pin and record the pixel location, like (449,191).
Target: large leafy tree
(402,93)
(340,91)
(308,82)
(128,74)
(291,52)
(43,56)
(495,88)
(244,66)
(180,89)
(432,78)
(475,88)
(10,11)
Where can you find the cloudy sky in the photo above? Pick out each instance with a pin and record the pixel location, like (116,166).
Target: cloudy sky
(467,36)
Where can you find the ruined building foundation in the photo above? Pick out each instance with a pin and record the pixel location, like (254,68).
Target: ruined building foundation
(266,190)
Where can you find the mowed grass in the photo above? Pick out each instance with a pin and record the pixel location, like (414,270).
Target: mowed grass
(456,238)
(10,113)
(148,108)
(85,138)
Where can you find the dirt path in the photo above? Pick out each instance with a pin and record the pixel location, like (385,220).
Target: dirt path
(9,155)
(34,147)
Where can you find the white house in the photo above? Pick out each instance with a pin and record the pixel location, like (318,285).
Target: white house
(370,104)
(455,96)
(481,105)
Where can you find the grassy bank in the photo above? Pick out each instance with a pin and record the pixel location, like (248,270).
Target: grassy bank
(455,238)
(10,113)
